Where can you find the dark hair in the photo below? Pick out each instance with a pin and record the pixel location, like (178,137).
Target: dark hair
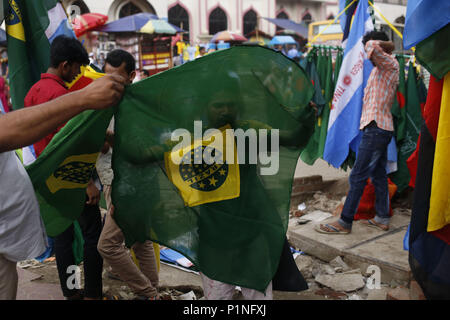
(375,35)
(146,72)
(118,56)
(64,48)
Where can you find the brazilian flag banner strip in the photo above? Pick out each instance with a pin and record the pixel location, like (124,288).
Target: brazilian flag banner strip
(30,28)
(61,173)
(261,95)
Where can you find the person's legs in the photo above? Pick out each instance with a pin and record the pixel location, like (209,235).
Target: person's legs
(8,279)
(380,182)
(65,259)
(91,227)
(112,249)
(250,294)
(371,150)
(216,290)
(145,254)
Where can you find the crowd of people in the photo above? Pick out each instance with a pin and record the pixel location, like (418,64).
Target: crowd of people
(49,105)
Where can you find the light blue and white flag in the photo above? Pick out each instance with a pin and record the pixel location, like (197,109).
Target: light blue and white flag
(59,23)
(346,106)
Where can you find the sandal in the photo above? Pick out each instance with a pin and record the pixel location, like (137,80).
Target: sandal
(330,227)
(372,223)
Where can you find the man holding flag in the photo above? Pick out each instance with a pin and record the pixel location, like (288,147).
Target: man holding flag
(23,236)
(377,126)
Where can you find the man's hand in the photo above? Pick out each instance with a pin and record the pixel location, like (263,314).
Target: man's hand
(314,106)
(93,193)
(103,92)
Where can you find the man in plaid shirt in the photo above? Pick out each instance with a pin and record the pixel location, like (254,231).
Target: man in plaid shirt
(378,129)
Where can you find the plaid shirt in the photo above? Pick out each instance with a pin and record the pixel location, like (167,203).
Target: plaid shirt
(381,88)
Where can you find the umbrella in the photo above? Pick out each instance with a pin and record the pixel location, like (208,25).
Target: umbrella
(282,40)
(228,36)
(140,22)
(131,23)
(88,21)
(156,26)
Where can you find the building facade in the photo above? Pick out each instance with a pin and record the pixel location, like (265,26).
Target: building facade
(203,18)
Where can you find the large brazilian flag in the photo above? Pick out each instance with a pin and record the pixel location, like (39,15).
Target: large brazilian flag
(229,218)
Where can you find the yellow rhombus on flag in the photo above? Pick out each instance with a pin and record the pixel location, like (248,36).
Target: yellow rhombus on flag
(200,180)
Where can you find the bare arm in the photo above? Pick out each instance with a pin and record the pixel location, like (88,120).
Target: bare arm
(387,46)
(26,126)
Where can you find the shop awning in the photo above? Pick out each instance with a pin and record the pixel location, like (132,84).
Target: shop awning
(290,25)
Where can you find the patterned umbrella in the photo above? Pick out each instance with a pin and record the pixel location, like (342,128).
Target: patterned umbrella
(140,22)
(156,26)
(88,21)
(228,36)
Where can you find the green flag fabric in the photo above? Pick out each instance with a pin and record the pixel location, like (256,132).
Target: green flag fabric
(311,152)
(414,120)
(30,27)
(236,240)
(398,108)
(61,173)
(432,53)
(326,82)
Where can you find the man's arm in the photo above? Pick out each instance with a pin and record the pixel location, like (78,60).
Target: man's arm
(379,52)
(25,126)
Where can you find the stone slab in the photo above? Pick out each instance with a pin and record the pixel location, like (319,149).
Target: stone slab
(387,253)
(364,246)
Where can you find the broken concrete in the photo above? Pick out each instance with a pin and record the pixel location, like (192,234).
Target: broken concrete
(342,282)
(339,265)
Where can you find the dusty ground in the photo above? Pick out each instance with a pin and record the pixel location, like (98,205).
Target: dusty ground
(310,267)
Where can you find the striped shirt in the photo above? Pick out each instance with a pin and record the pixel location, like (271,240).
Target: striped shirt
(381,88)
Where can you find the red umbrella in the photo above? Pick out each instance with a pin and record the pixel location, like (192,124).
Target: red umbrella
(88,21)
(228,36)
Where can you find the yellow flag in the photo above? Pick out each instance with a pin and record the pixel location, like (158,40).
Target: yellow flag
(199,182)
(439,215)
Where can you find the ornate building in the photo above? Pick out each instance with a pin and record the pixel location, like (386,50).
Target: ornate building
(203,18)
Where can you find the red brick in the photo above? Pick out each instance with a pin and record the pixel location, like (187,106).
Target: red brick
(415,291)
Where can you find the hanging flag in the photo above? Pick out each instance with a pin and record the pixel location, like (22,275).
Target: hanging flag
(328,95)
(429,251)
(398,109)
(347,18)
(423,19)
(439,215)
(413,123)
(431,118)
(254,89)
(432,52)
(337,66)
(311,152)
(31,26)
(346,107)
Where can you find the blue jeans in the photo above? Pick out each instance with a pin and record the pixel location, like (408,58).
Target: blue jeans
(370,162)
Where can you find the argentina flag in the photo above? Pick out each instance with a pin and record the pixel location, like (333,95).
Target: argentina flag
(346,106)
